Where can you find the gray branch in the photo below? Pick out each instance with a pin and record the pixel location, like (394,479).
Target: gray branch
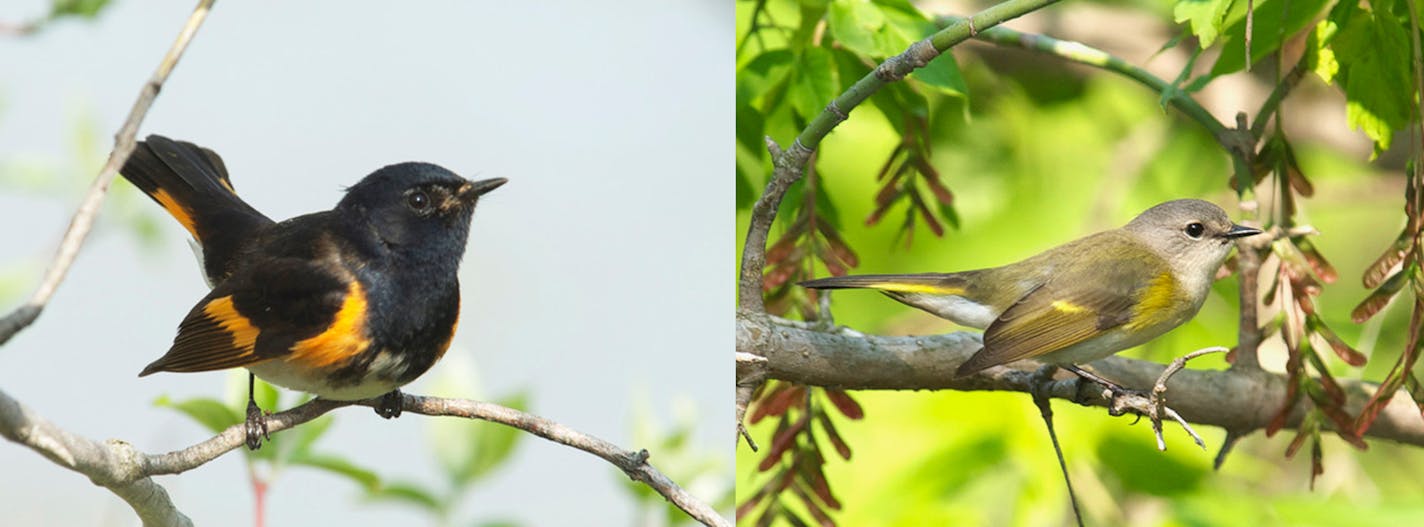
(1238,400)
(119,467)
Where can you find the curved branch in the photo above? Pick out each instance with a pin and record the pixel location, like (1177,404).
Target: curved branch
(116,465)
(83,221)
(1237,400)
(113,464)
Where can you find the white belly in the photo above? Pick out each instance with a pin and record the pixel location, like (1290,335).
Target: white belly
(378,380)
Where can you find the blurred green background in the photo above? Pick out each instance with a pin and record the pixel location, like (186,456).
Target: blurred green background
(1038,154)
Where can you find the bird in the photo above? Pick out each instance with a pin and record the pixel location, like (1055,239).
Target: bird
(345,304)
(1081,301)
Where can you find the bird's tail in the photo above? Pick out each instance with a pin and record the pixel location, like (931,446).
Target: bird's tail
(191,183)
(930,283)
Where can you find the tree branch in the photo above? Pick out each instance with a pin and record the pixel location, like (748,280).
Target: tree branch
(845,359)
(791,163)
(83,221)
(116,465)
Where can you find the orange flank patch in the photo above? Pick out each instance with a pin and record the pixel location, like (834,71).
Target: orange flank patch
(445,346)
(343,339)
(178,211)
(244,334)
(1156,305)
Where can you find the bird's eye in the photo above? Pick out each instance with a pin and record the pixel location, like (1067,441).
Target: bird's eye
(1195,230)
(418,201)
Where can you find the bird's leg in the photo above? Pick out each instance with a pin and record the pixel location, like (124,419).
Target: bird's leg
(1041,383)
(1152,404)
(1117,390)
(256,419)
(389,405)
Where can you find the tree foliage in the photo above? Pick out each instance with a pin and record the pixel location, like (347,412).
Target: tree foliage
(1007,146)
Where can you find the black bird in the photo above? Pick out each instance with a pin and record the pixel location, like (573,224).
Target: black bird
(346,304)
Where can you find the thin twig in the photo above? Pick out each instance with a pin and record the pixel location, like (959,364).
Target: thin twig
(751,373)
(1042,378)
(83,220)
(1226,445)
(1159,397)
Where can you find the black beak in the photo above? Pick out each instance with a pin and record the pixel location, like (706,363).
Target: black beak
(1241,231)
(470,191)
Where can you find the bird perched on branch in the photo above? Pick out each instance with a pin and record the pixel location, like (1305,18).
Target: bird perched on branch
(1083,300)
(347,304)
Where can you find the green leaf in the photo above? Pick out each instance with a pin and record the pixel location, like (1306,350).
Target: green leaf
(1373,52)
(407,493)
(507,523)
(761,83)
(468,449)
(303,436)
(266,396)
(1139,466)
(943,74)
(82,8)
(746,193)
(751,129)
(211,413)
(1206,17)
(492,443)
(1275,21)
(856,24)
(367,479)
(815,85)
(1321,58)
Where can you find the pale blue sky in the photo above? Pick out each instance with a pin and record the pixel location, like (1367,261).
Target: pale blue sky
(596,277)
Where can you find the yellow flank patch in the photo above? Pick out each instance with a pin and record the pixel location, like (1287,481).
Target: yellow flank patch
(1068,307)
(178,211)
(343,339)
(927,289)
(1156,304)
(244,334)
(227,186)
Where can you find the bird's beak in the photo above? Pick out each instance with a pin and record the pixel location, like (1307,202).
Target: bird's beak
(1241,231)
(472,190)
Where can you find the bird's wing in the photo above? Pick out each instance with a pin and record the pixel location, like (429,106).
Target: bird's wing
(1069,308)
(277,307)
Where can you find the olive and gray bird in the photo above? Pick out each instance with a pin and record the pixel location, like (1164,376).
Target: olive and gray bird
(1081,301)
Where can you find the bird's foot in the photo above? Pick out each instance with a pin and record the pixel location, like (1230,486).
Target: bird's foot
(1150,403)
(389,405)
(256,425)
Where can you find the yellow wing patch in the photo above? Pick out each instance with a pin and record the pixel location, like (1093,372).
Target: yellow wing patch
(244,334)
(1067,307)
(179,212)
(343,339)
